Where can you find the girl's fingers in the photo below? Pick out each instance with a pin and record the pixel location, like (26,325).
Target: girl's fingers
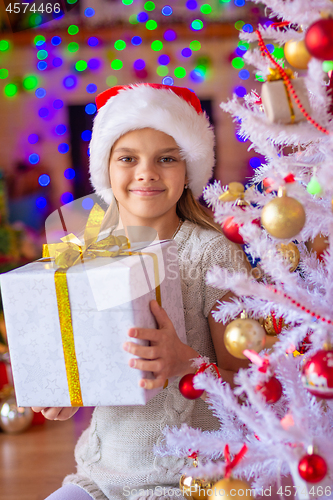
(155,366)
(147,352)
(148,383)
(144,333)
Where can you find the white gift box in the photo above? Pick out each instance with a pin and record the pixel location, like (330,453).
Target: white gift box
(275,101)
(107,297)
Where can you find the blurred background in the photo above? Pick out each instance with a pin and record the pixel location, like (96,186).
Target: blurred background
(53,64)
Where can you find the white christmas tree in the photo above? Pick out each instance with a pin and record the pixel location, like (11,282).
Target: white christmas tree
(288,122)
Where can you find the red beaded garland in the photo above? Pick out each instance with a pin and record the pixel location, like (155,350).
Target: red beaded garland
(312,468)
(187,389)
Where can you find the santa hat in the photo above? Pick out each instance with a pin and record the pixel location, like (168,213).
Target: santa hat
(176,111)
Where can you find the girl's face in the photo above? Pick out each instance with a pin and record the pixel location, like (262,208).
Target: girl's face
(147,176)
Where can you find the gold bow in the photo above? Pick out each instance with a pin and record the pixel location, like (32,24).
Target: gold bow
(234,192)
(71,251)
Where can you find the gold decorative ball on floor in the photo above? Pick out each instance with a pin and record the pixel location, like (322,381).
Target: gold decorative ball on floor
(290,254)
(297,54)
(230,488)
(195,488)
(283,217)
(244,333)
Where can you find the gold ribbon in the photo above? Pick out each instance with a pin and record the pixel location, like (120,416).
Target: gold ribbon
(275,75)
(234,192)
(69,253)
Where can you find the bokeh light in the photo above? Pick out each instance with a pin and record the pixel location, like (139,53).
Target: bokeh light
(169,35)
(136,40)
(69,173)
(327,66)
(3,73)
(239,24)
(39,40)
(150,6)
(90,108)
(93,41)
(86,135)
(10,89)
(117,64)
(162,70)
(40,92)
(63,148)
(56,40)
(139,64)
(240,91)
(142,17)
(151,25)
(44,180)
(91,88)
(73,29)
(180,72)
(168,80)
(195,45)
(43,112)
(57,62)
(127,2)
(60,129)
(196,25)
(81,65)
(42,54)
(163,59)
(238,63)
(73,47)
(244,74)
(94,63)
(111,80)
(278,52)
(41,202)
(186,52)
(70,82)
(34,158)
(255,162)
(87,203)
(89,12)
(156,45)
(42,65)
(166,10)
(66,198)
(197,75)
(58,104)
(239,3)
(4,45)
(239,137)
(206,8)
(33,138)
(247,28)
(30,82)
(191,4)
(133,19)
(120,45)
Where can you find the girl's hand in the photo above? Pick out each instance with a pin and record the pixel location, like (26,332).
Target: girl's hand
(166,356)
(53,413)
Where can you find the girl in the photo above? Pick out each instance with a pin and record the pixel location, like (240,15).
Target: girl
(154,146)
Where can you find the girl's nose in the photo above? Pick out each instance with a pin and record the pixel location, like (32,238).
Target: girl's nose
(146,171)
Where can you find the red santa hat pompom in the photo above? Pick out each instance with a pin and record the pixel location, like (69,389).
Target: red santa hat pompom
(176,111)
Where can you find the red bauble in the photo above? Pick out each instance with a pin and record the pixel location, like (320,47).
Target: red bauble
(317,374)
(271,390)
(187,389)
(231,230)
(319,39)
(312,468)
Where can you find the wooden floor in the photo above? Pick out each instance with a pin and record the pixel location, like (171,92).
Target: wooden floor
(34,463)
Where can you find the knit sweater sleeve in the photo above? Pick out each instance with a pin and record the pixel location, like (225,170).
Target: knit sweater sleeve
(225,254)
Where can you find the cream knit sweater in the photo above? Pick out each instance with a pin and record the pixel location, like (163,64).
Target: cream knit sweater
(115,458)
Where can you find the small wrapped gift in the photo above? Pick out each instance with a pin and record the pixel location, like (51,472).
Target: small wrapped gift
(66,326)
(279,105)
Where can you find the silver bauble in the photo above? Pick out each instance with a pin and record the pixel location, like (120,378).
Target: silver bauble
(13,418)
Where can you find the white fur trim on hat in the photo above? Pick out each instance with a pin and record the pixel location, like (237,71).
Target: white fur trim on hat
(141,106)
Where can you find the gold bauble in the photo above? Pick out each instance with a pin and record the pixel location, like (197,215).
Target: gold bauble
(269,325)
(290,254)
(230,488)
(296,54)
(193,487)
(283,217)
(243,334)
